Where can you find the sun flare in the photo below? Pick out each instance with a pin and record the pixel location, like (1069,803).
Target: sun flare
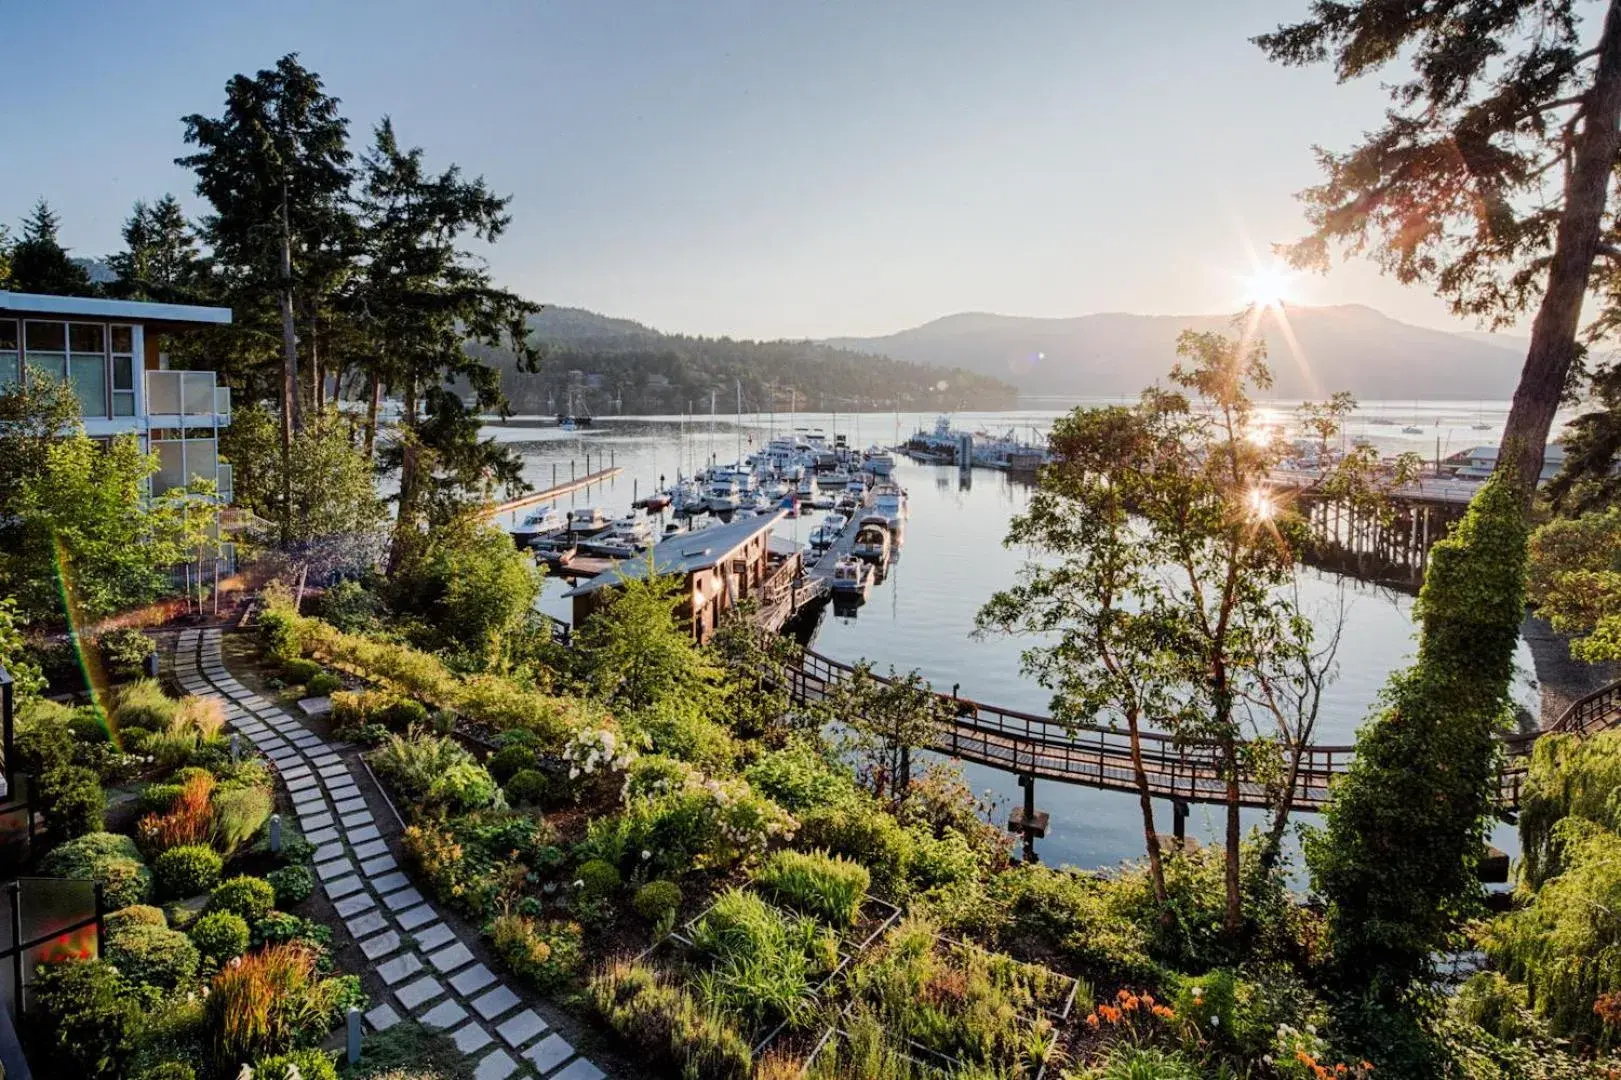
(1269,287)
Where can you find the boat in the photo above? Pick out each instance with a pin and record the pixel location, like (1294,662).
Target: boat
(828,532)
(723,496)
(555,549)
(890,501)
(872,543)
(852,577)
(547,519)
(1412,429)
(857,486)
(587,520)
(878,462)
(634,530)
(655,502)
(847,503)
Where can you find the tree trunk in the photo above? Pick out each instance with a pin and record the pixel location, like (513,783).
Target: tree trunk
(405,520)
(289,335)
(1234,920)
(1272,848)
(1553,333)
(374,401)
(1156,863)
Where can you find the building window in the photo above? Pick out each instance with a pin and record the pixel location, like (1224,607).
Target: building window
(87,361)
(122,339)
(10,354)
(45,348)
(75,353)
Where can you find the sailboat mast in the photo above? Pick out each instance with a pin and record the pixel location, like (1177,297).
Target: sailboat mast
(740,421)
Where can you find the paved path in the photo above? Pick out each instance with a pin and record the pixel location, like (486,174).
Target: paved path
(431,974)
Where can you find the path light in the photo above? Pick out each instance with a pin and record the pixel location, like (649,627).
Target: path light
(1260,505)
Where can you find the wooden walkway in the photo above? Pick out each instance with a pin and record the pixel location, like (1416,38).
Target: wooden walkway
(548,494)
(1099,756)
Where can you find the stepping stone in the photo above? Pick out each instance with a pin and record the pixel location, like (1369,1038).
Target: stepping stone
(495,1003)
(307,783)
(449,959)
(410,920)
(579,1069)
(434,937)
(333,767)
(377,865)
(334,869)
(358,820)
(472,980)
(370,849)
(297,772)
(389,882)
(349,806)
(420,992)
(381,945)
(447,1014)
(366,924)
(321,836)
(351,790)
(315,706)
(354,905)
(521,1028)
(382,1018)
(319,820)
(361,835)
(549,1052)
(401,900)
(498,1066)
(470,1038)
(343,887)
(329,851)
(392,971)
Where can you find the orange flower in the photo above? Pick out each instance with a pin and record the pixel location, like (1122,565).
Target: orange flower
(1148,999)
(1092,1020)
(1164,1013)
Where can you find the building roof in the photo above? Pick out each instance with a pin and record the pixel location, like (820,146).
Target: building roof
(1554,452)
(783,545)
(684,553)
(91,307)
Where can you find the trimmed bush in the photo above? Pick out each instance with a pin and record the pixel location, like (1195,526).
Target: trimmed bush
(528,787)
(89,1020)
(124,651)
(152,955)
(220,936)
(510,760)
(292,884)
(323,684)
(72,801)
(108,858)
(239,814)
(250,897)
(304,1064)
(542,954)
(658,901)
(143,704)
(598,879)
(186,871)
(155,798)
(300,670)
(136,915)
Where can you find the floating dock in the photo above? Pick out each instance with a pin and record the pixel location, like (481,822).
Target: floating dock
(534,498)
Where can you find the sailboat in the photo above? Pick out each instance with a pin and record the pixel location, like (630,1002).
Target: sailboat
(1480,417)
(1413,428)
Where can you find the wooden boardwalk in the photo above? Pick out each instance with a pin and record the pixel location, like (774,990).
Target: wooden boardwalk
(534,498)
(1188,771)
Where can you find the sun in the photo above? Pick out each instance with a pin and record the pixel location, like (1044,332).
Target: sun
(1268,287)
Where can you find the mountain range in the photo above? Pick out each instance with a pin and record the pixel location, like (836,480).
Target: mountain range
(1341,347)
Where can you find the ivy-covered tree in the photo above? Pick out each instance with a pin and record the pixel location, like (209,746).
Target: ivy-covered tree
(1575,581)
(1490,177)
(38,261)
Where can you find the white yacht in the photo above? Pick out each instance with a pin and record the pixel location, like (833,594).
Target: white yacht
(878,462)
(547,519)
(828,532)
(589,519)
(852,576)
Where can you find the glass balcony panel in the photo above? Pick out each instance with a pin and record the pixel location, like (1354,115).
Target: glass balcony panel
(198,387)
(201,458)
(171,466)
(163,392)
(222,402)
(226,478)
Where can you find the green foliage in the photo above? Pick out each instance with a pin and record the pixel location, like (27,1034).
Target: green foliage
(280,928)
(1575,581)
(109,858)
(508,761)
(299,670)
(124,651)
(250,897)
(158,798)
(168,1070)
(220,936)
(827,886)
(658,902)
(637,655)
(543,954)
(598,880)
(292,884)
(27,679)
(90,1017)
(239,814)
(323,684)
(433,774)
(1397,858)
(1569,776)
(135,915)
(1079,916)
(308,1064)
(474,587)
(186,871)
(351,607)
(800,777)
(71,799)
(152,955)
(143,704)
(864,833)
(764,961)
(331,482)
(667,1024)
(528,787)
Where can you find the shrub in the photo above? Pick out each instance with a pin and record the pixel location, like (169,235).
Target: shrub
(863,832)
(280,928)
(826,886)
(800,778)
(152,955)
(189,820)
(323,684)
(528,787)
(293,884)
(666,1023)
(143,704)
(108,858)
(262,1004)
(511,759)
(658,902)
(187,870)
(457,874)
(280,632)
(156,798)
(302,1064)
(250,897)
(434,773)
(168,1070)
(598,880)
(300,670)
(239,814)
(90,1018)
(72,802)
(220,936)
(543,954)
(124,651)
(135,915)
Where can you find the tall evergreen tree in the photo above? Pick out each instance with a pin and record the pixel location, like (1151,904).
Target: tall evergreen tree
(421,298)
(39,262)
(160,261)
(275,166)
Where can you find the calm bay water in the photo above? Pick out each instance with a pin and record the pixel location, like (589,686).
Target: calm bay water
(922,615)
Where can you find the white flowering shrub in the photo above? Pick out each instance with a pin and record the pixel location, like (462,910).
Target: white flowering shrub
(595,750)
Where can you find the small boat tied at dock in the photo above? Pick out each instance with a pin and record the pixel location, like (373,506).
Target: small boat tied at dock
(872,541)
(828,532)
(852,578)
(587,520)
(543,520)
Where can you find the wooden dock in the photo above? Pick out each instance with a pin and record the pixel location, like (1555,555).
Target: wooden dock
(819,580)
(534,498)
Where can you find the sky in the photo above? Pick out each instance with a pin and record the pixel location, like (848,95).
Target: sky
(776,169)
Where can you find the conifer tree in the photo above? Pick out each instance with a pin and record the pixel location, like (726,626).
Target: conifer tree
(39,262)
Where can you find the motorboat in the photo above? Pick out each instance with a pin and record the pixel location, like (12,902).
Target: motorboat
(547,519)
(555,549)
(847,503)
(634,530)
(872,543)
(587,520)
(878,462)
(856,486)
(1412,429)
(890,502)
(723,495)
(852,577)
(828,532)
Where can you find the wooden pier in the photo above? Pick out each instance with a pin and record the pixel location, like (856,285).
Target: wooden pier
(556,491)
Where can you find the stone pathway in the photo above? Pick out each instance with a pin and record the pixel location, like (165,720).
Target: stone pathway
(431,974)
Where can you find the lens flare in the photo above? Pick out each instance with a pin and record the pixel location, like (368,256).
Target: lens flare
(89,660)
